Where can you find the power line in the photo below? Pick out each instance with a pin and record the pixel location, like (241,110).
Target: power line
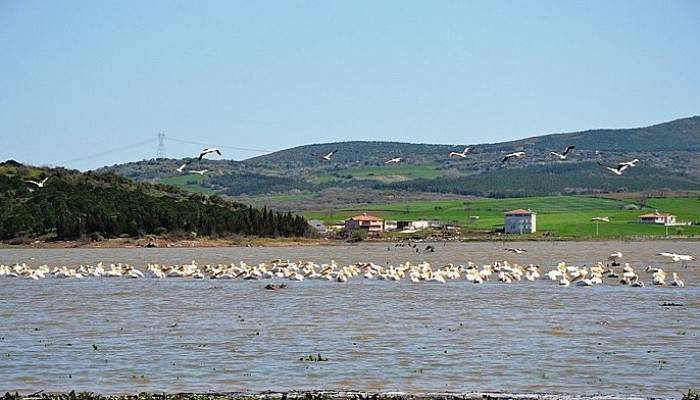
(222,146)
(107,152)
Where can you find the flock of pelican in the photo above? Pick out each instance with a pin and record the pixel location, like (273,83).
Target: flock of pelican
(504,272)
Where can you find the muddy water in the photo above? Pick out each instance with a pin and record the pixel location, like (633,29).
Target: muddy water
(207,335)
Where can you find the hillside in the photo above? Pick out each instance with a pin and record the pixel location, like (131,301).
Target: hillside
(670,154)
(72,205)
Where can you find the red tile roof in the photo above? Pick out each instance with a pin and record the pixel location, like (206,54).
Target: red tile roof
(656,215)
(366,217)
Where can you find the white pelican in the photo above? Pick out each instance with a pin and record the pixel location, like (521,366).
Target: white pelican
(628,164)
(394,160)
(677,281)
(615,256)
(181,167)
(463,154)
(562,155)
(39,184)
(517,154)
(617,170)
(677,257)
(600,219)
(516,250)
(209,151)
(328,156)
(201,172)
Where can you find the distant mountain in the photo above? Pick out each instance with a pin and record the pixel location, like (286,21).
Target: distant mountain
(670,154)
(72,205)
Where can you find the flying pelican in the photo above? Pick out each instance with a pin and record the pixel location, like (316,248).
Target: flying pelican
(394,160)
(202,172)
(627,164)
(677,257)
(517,154)
(463,154)
(328,156)
(39,184)
(617,171)
(182,167)
(614,256)
(562,155)
(209,151)
(516,250)
(600,219)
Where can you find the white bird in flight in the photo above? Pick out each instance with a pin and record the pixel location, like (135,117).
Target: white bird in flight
(209,151)
(516,250)
(601,219)
(628,164)
(328,156)
(182,167)
(517,154)
(677,257)
(39,184)
(618,170)
(394,160)
(562,155)
(463,154)
(615,255)
(202,172)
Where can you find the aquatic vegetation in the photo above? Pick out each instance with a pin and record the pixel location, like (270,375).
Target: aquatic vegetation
(315,358)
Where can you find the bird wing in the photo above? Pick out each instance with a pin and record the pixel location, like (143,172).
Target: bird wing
(34,182)
(45,179)
(568,149)
(554,153)
(217,151)
(506,158)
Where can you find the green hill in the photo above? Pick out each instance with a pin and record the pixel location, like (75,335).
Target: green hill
(73,205)
(670,154)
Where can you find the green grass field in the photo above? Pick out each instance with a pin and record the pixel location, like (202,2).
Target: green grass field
(385,173)
(564,216)
(190,182)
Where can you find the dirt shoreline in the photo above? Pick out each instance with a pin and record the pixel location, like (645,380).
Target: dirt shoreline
(320,395)
(292,242)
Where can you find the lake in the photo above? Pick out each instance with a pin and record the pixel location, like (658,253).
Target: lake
(175,335)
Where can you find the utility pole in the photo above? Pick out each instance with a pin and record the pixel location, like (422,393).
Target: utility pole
(161,145)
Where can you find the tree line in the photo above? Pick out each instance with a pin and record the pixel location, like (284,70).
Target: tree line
(74,205)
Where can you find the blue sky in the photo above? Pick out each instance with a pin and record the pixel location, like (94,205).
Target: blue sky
(81,78)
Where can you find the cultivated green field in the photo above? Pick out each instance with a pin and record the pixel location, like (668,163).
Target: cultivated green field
(190,182)
(385,173)
(561,216)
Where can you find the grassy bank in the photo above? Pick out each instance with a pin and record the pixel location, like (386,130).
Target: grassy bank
(561,216)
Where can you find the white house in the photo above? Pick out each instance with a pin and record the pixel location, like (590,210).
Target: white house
(658,218)
(520,221)
(420,224)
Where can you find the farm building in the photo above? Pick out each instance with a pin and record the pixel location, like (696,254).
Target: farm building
(370,223)
(658,218)
(520,221)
